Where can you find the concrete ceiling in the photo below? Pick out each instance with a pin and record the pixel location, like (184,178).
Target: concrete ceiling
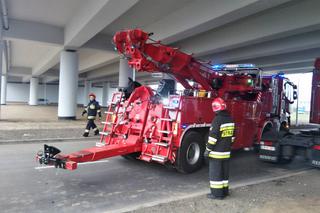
(28,53)
(144,13)
(278,35)
(51,12)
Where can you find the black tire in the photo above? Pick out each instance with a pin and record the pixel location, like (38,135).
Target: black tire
(190,154)
(132,156)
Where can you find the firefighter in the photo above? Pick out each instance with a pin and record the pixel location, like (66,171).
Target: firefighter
(92,109)
(218,149)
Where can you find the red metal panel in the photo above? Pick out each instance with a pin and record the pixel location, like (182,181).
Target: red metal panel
(315,96)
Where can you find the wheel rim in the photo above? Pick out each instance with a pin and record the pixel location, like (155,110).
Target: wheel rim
(193,153)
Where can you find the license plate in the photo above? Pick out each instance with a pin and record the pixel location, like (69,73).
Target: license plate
(269,148)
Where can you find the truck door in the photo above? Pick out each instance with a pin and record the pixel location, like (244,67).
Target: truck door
(315,94)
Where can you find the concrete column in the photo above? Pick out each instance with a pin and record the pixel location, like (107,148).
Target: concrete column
(68,85)
(3,89)
(105,92)
(1,61)
(86,91)
(125,72)
(33,95)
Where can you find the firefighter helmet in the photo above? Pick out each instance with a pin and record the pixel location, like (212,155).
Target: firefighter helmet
(92,94)
(218,104)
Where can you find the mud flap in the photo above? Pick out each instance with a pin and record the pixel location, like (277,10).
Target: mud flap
(269,151)
(315,156)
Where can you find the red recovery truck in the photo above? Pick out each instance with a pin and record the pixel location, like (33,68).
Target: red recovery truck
(173,129)
(283,146)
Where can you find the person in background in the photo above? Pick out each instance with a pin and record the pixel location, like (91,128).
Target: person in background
(92,109)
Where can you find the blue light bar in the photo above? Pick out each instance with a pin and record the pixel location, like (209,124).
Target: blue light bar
(280,74)
(232,66)
(184,126)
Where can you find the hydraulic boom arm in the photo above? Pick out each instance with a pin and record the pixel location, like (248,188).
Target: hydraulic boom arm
(156,57)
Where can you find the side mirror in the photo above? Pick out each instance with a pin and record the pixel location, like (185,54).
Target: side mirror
(295,95)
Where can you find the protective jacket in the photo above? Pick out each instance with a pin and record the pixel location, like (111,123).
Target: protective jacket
(221,136)
(92,109)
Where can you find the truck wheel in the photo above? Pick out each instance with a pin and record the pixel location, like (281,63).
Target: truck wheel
(132,156)
(190,153)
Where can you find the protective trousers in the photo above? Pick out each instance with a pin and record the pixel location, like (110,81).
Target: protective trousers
(91,125)
(219,177)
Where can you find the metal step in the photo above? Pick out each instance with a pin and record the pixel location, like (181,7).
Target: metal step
(166,119)
(162,144)
(159,158)
(170,108)
(106,122)
(165,132)
(107,112)
(114,103)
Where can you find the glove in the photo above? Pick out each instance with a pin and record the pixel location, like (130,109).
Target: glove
(206,153)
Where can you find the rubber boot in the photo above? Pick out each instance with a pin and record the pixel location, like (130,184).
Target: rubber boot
(96,132)
(211,196)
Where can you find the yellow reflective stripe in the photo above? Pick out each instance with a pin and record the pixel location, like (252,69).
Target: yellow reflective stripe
(216,184)
(227,128)
(91,117)
(98,110)
(225,183)
(212,140)
(219,155)
(208,149)
(86,130)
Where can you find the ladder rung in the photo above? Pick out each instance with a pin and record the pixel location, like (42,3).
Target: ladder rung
(112,102)
(104,133)
(165,132)
(162,144)
(169,107)
(107,112)
(159,158)
(166,119)
(103,122)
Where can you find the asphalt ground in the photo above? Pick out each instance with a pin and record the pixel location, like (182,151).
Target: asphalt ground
(297,193)
(111,185)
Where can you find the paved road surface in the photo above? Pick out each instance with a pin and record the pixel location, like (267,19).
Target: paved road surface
(108,185)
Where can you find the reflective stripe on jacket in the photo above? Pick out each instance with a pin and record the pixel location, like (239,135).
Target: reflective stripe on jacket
(221,136)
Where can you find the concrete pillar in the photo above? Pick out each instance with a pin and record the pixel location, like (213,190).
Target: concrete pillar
(105,92)
(3,89)
(68,85)
(1,54)
(125,72)
(86,91)
(33,95)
